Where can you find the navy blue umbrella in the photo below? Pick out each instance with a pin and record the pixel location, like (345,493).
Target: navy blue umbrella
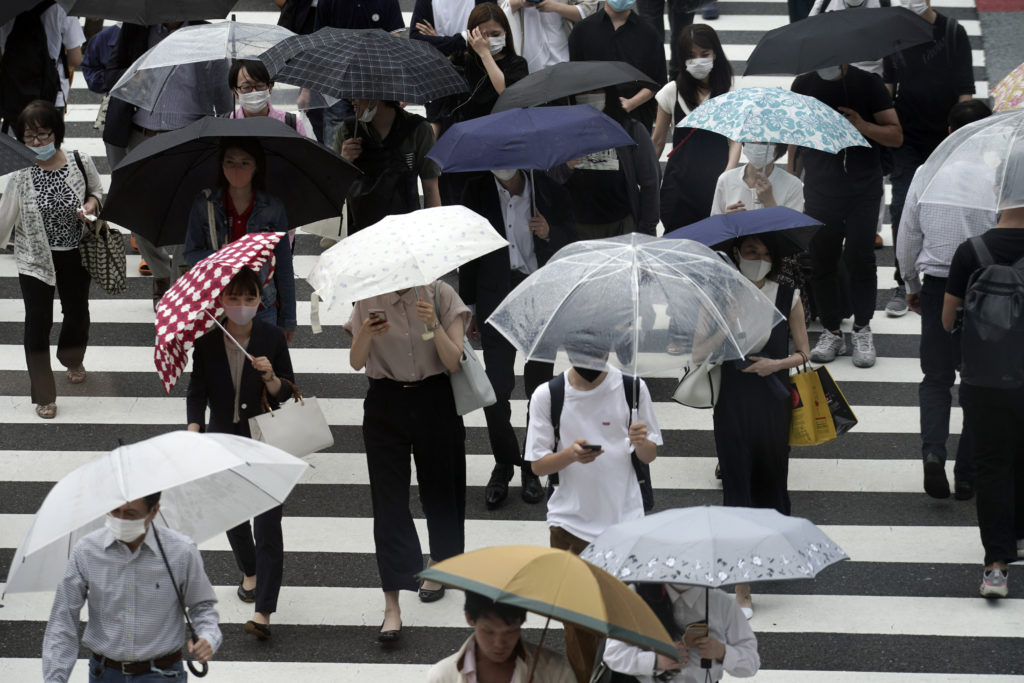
(793,229)
(535,138)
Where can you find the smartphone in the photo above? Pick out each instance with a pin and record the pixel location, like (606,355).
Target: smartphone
(694,632)
(378,314)
(590,446)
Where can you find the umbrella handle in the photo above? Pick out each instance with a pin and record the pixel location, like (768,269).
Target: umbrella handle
(203,669)
(536,658)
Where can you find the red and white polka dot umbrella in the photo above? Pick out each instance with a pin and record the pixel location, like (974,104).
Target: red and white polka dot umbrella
(188,309)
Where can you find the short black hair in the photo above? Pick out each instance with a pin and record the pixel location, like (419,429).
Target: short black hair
(770,243)
(253,148)
(151,500)
(257,71)
(966,112)
(481,606)
(40,114)
(245,282)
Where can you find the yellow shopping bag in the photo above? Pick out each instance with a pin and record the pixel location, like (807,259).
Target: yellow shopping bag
(811,423)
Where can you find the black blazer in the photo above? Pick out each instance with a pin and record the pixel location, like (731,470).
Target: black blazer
(487,280)
(211,384)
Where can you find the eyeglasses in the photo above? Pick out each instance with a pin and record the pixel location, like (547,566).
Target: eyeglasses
(39,137)
(247,88)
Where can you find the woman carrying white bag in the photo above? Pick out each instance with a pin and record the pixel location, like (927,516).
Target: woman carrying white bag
(407,349)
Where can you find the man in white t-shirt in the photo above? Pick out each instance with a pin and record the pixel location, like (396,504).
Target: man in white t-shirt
(541,28)
(61,31)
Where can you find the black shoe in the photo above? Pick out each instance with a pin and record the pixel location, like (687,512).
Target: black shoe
(497,487)
(389,636)
(246,595)
(431,595)
(261,631)
(963,490)
(532,491)
(935,483)
(718,471)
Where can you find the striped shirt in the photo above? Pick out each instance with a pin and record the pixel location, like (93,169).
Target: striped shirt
(133,609)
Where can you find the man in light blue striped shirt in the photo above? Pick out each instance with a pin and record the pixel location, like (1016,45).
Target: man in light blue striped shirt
(136,626)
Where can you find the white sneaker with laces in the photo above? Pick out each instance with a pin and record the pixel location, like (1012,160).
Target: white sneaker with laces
(828,347)
(863,347)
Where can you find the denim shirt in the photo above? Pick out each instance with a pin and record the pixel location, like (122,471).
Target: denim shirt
(268,215)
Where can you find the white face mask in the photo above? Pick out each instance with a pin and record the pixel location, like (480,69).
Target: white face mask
(497,44)
(854,3)
(241,315)
(918,7)
(505,174)
(126,530)
(755,270)
(255,101)
(700,68)
(595,100)
(758,154)
(368,114)
(830,73)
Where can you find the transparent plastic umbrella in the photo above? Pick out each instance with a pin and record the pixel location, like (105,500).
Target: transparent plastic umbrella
(187,72)
(615,300)
(979,166)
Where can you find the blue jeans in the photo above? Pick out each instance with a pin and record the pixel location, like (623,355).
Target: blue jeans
(101,674)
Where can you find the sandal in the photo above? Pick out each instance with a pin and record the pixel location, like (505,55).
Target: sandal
(47,411)
(76,375)
(261,631)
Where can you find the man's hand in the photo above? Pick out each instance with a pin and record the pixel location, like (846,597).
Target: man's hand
(709,648)
(914,302)
(637,433)
(580,454)
(736,208)
(201,650)
(302,101)
(573,163)
(288,335)
(425,28)
(853,117)
(539,227)
(351,149)
(473,331)
(627,106)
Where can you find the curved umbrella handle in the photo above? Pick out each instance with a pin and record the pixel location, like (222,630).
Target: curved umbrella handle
(204,668)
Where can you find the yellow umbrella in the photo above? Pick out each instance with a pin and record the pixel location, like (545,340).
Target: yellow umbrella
(557,584)
(1009,93)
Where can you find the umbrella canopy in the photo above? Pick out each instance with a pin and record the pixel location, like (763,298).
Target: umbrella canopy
(1009,93)
(775,115)
(834,38)
(365,64)
(538,138)
(979,166)
(187,310)
(623,294)
(148,12)
(714,546)
(569,78)
(187,72)
(404,250)
(14,155)
(152,190)
(793,229)
(12,8)
(209,483)
(557,584)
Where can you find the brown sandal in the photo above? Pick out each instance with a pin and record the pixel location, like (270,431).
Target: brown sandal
(47,411)
(261,631)
(76,375)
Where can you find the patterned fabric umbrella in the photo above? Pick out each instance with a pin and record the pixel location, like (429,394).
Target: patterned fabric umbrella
(188,309)
(775,115)
(1009,94)
(366,64)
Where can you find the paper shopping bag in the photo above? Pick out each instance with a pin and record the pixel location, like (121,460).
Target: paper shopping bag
(843,418)
(811,423)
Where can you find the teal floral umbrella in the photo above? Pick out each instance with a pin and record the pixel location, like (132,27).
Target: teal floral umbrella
(775,115)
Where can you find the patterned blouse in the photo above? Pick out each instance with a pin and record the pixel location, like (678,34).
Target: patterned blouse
(57,203)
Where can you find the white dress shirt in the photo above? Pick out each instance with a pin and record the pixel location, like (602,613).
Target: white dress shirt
(545,41)
(61,31)
(726,624)
(731,188)
(134,613)
(516,211)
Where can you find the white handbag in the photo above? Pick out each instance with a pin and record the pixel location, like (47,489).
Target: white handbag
(470,385)
(699,386)
(297,427)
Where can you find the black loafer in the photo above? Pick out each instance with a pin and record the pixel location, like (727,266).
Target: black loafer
(935,483)
(963,490)
(497,487)
(431,595)
(389,636)
(532,491)
(261,631)
(246,595)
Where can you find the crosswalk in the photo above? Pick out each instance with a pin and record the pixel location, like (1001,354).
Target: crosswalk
(901,611)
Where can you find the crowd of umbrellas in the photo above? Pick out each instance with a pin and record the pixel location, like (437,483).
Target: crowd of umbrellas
(629,287)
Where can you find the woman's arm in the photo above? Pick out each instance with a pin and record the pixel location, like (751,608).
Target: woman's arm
(479,44)
(734,155)
(10,209)
(363,338)
(197,396)
(798,332)
(447,345)
(660,133)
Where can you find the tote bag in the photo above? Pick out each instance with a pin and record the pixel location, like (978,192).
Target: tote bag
(297,427)
(470,385)
(820,411)
(699,386)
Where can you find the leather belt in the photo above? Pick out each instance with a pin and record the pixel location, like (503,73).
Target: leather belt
(137,668)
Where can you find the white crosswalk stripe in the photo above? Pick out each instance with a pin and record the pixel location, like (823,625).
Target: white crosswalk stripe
(903,610)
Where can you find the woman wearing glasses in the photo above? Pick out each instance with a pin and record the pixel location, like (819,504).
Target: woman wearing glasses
(250,82)
(44,206)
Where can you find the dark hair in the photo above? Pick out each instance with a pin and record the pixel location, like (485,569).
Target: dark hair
(253,148)
(720,78)
(770,244)
(480,606)
(257,71)
(488,11)
(970,111)
(151,500)
(245,282)
(40,114)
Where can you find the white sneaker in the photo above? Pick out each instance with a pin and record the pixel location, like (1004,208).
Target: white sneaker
(828,347)
(863,348)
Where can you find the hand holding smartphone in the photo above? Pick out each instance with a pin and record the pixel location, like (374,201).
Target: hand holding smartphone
(378,315)
(693,633)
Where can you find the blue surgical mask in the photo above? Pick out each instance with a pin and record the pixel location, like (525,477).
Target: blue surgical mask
(45,152)
(621,5)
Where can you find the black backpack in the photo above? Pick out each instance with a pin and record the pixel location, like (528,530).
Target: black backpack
(27,71)
(643,471)
(992,332)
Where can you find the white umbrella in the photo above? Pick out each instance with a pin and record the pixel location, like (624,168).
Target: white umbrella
(209,483)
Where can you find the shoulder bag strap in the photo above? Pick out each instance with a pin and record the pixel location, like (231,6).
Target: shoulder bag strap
(556,386)
(981,251)
(211,220)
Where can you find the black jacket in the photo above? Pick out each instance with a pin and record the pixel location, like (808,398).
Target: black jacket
(211,384)
(487,280)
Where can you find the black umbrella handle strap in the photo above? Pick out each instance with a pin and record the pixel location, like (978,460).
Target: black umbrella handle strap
(203,667)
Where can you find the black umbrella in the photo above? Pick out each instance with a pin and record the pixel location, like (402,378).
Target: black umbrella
(364,63)
(12,8)
(14,156)
(569,78)
(835,38)
(148,12)
(152,190)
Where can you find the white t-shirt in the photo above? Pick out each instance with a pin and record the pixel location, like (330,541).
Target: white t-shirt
(60,29)
(667,98)
(731,188)
(545,42)
(591,497)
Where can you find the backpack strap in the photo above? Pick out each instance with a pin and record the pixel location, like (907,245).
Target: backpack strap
(981,251)
(556,386)
(292,120)
(951,26)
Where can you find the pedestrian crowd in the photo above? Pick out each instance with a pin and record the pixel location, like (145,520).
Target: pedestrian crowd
(591,429)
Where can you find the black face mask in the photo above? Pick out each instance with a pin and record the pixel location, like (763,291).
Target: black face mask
(588,374)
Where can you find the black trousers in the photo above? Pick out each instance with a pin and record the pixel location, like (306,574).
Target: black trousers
(259,551)
(73,288)
(419,418)
(678,19)
(995,416)
(906,160)
(848,234)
